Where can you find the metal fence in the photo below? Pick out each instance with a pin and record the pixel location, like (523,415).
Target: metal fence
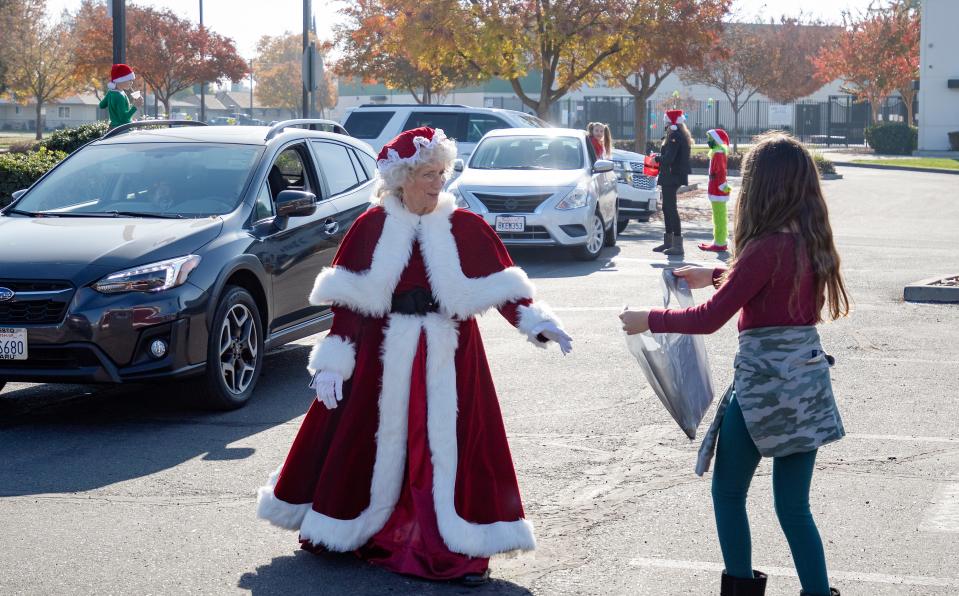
(839,120)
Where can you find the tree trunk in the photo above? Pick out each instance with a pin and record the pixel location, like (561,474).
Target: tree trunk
(166,106)
(640,124)
(39,126)
(736,108)
(542,109)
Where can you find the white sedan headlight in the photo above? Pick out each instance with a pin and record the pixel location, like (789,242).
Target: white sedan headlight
(578,197)
(460,199)
(153,277)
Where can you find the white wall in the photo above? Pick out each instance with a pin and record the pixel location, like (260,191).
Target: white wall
(938,62)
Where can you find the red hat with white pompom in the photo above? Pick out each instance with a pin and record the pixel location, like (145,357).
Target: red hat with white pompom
(119,74)
(674,118)
(406,148)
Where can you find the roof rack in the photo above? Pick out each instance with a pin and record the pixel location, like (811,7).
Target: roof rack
(413,105)
(313,123)
(147,124)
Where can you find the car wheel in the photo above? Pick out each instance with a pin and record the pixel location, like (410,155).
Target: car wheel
(234,351)
(621,224)
(595,239)
(613,230)
(643,218)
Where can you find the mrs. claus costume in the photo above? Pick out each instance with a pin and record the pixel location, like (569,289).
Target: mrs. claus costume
(412,470)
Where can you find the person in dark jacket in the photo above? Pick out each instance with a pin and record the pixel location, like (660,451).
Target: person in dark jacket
(674,170)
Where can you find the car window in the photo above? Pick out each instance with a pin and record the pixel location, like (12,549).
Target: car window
(369,164)
(362,175)
(528,153)
(264,203)
(480,124)
(336,165)
(288,172)
(452,123)
(367,125)
(177,179)
(533,120)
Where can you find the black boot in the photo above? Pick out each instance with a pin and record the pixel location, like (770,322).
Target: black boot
(832,592)
(737,586)
(667,242)
(676,246)
(474,580)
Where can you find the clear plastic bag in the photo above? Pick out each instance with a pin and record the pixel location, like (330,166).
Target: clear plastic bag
(675,364)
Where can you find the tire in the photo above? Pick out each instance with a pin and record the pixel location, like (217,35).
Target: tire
(621,224)
(613,231)
(234,356)
(2,383)
(595,239)
(643,218)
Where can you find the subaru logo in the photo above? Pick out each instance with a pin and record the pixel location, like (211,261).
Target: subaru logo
(6,294)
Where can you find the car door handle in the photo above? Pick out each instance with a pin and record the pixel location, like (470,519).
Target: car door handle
(331,226)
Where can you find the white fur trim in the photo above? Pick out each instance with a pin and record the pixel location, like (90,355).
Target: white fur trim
(531,316)
(370,292)
(333,354)
(461,536)
(393,158)
(719,198)
(277,512)
(124,78)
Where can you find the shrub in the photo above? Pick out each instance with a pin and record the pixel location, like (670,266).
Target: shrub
(823,165)
(701,161)
(20,170)
(71,139)
(24,147)
(892,138)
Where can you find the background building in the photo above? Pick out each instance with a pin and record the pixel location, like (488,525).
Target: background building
(938,76)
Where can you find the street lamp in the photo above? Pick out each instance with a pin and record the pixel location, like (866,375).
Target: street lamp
(118,11)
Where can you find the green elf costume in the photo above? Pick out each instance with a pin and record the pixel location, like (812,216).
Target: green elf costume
(718,189)
(115,102)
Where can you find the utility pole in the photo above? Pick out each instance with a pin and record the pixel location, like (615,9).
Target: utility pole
(119,13)
(202,83)
(307,10)
(251,88)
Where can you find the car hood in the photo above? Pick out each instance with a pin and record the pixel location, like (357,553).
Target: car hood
(621,155)
(82,249)
(523,178)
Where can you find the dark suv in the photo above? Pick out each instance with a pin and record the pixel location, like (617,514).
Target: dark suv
(165,253)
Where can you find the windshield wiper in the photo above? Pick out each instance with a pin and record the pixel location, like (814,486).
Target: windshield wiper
(115,213)
(19,212)
(522,168)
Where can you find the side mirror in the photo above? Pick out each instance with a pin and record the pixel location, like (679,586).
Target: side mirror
(295,203)
(18,193)
(458,165)
(602,165)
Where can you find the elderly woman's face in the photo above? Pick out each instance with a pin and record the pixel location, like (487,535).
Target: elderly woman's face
(422,189)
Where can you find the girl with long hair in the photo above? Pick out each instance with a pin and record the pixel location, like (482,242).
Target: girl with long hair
(674,170)
(785,272)
(601,138)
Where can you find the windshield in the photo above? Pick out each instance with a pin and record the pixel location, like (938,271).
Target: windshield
(148,179)
(528,153)
(534,121)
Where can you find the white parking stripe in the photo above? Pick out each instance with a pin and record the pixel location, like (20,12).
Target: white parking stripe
(849,576)
(903,438)
(943,515)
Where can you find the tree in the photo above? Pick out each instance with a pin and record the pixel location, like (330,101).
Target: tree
(662,36)
(738,69)
(6,24)
(168,53)
(379,41)
(41,67)
(790,48)
(876,54)
(278,66)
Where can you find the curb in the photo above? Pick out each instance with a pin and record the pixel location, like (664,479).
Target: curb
(874,166)
(924,291)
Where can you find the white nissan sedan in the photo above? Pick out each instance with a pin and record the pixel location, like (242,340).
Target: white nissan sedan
(541,187)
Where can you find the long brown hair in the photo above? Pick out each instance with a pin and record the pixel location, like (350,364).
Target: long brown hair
(780,191)
(607,136)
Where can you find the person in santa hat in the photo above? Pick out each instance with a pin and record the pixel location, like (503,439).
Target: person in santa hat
(116,102)
(674,170)
(718,189)
(403,458)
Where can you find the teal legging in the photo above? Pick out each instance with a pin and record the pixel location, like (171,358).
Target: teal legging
(736,461)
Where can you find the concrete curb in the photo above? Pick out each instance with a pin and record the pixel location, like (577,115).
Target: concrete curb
(924,291)
(893,167)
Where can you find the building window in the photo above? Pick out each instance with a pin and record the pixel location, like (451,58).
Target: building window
(63,112)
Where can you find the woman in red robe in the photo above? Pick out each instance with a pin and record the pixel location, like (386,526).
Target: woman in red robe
(403,457)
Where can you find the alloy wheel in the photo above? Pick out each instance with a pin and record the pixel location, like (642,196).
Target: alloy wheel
(238,349)
(597,235)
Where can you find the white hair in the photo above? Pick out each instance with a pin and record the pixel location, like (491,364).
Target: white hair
(394,173)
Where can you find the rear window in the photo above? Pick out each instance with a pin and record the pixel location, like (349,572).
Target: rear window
(367,125)
(452,123)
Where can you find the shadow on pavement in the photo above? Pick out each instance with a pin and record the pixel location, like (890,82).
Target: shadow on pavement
(64,439)
(305,573)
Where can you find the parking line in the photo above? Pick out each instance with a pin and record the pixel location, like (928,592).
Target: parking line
(903,438)
(943,515)
(850,576)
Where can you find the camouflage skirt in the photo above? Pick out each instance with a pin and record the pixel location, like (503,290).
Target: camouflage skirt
(783,387)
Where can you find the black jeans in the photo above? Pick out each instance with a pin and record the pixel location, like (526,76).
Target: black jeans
(671,211)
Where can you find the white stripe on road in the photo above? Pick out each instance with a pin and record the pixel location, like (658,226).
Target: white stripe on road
(903,438)
(849,576)
(943,515)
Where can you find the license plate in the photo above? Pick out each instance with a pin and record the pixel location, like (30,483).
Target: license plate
(510,223)
(13,343)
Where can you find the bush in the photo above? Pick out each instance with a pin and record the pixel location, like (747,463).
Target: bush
(892,138)
(71,139)
(823,165)
(20,170)
(701,161)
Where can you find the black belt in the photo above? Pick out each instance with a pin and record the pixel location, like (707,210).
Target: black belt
(418,301)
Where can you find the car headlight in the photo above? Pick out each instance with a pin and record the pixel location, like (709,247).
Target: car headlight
(460,199)
(578,197)
(153,277)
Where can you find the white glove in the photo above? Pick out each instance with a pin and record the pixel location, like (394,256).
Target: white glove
(328,387)
(552,332)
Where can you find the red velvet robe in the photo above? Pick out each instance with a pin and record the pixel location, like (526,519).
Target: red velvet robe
(358,476)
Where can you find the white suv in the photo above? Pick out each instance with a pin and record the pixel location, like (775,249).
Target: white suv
(377,124)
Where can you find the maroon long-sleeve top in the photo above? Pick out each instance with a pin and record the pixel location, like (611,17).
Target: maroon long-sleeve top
(760,284)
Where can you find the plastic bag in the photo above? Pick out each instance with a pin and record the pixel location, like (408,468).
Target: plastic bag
(675,364)
(650,166)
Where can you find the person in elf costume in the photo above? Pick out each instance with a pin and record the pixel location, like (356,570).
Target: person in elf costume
(719,188)
(116,102)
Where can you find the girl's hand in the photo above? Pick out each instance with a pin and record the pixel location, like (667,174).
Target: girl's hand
(634,321)
(696,277)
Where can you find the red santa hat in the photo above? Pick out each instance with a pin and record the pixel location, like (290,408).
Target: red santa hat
(719,135)
(674,117)
(120,73)
(408,147)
